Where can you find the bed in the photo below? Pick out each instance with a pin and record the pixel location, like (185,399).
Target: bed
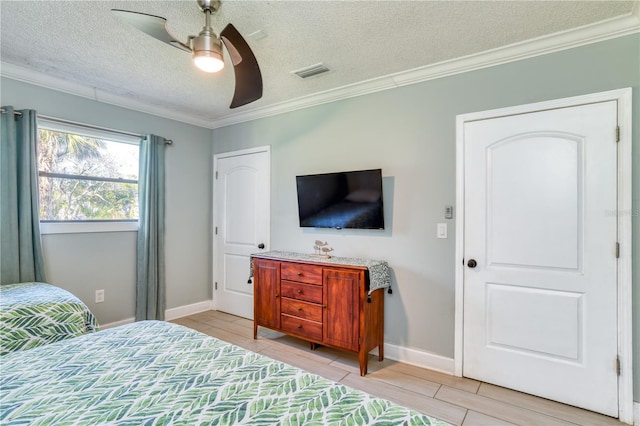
(33,314)
(153,372)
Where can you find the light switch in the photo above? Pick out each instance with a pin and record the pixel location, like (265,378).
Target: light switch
(441,230)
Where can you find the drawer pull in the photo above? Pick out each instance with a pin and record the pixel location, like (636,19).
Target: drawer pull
(299,325)
(299,309)
(299,274)
(299,291)
(277,295)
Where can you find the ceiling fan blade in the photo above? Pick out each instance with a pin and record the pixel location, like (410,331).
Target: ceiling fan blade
(248,76)
(155,26)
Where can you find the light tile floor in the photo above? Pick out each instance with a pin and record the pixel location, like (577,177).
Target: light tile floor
(459,401)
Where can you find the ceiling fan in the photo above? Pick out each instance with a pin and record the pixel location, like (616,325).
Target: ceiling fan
(206,49)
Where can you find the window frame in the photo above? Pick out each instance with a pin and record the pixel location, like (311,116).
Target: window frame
(87,226)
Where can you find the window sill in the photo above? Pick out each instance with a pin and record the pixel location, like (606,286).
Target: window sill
(86,227)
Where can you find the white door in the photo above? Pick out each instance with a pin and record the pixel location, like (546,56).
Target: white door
(540,203)
(241,212)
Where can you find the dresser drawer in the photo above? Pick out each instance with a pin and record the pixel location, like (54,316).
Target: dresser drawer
(310,274)
(300,291)
(300,327)
(300,309)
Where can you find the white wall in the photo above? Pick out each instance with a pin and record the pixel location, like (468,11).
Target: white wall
(83,263)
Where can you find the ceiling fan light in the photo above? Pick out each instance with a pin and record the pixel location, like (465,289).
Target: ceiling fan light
(208,63)
(207,52)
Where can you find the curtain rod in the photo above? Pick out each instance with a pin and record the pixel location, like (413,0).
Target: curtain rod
(18,113)
(60,120)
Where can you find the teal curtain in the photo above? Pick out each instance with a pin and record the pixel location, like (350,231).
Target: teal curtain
(150,276)
(20,246)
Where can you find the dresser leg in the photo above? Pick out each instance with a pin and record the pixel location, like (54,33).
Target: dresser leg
(381,352)
(255,330)
(363,357)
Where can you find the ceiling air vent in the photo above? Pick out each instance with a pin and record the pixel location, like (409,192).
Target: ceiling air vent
(312,70)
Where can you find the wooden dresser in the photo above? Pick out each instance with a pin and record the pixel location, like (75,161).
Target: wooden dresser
(327,304)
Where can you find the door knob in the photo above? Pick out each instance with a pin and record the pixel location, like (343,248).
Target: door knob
(472,263)
(261,246)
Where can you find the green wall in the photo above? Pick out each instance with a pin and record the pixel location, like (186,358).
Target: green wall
(409,132)
(84,263)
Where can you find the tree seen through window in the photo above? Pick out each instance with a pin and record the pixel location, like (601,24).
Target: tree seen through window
(85,178)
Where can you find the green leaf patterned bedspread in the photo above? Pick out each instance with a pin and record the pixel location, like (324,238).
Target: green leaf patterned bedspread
(157,373)
(34,314)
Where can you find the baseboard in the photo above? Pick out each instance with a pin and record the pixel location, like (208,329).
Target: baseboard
(183,311)
(636,413)
(398,353)
(117,323)
(169,314)
(418,358)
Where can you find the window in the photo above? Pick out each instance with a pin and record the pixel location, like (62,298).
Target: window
(86,175)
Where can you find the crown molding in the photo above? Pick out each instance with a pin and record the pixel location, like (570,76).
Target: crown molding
(47,81)
(600,31)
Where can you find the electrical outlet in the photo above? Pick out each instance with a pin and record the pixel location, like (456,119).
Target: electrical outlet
(99,296)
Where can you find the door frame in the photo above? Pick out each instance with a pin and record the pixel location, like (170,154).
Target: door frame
(214,202)
(624,220)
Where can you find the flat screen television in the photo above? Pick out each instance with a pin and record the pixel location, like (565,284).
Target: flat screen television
(341,200)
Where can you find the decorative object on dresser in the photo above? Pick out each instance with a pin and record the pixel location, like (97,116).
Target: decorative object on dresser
(321,247)
(336,301)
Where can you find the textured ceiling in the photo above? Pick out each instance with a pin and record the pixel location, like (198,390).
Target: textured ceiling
(83,43)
